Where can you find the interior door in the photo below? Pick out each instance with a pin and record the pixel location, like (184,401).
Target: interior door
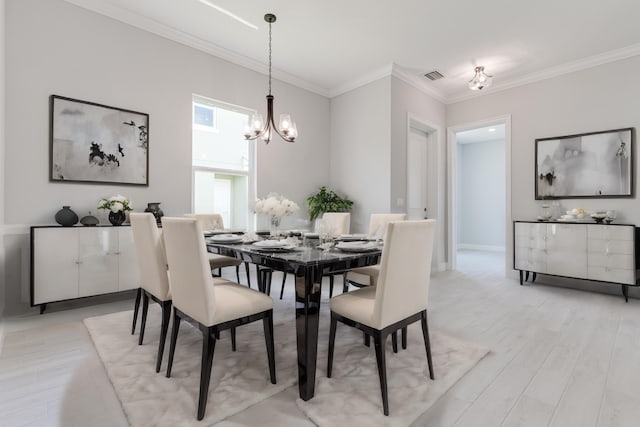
(417,145)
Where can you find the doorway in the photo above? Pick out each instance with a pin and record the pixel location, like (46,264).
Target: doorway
(425,185)
(479,194)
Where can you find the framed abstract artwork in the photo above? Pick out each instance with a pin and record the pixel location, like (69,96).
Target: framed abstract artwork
(595,164)
(95,143)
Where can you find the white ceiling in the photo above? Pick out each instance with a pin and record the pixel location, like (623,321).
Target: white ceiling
(330,46)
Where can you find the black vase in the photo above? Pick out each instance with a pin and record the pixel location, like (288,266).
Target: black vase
(116,218)
(66,217)
(154,208)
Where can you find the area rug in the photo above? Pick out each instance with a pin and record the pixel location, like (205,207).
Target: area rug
(351,397)
(239,379)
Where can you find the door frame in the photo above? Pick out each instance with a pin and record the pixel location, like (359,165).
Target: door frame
(452,165)
(435,181)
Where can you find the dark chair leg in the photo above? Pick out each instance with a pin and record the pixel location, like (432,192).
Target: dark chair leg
(220,272)
(143,323)
(166,314)
(332,340)
(345,286)
(233,339)
(238,273)
(246,267)
(267,281)
(174,339)
(394,341)
(284,280)
(427,343)
(208,346)
(330,286)
(136,308)
(268,337)
(367,339)
(379,342)
(404,338)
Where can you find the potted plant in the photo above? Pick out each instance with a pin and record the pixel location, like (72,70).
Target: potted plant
(326,201)
(117,206)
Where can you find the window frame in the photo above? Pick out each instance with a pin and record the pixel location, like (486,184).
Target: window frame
(251,171)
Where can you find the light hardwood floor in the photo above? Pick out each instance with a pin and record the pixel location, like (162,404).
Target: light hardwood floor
(559,357)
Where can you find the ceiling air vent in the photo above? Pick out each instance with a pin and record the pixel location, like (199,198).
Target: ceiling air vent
(434,75)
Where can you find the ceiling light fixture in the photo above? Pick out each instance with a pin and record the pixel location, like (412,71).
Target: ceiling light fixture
(229,14)
(480,80)
(288,130)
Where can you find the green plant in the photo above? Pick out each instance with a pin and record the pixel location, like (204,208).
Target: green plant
(326,201)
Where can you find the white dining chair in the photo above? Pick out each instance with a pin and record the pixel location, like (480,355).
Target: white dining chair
(399,298)
(154,280)
(210,308)
(214,221)
(368,276)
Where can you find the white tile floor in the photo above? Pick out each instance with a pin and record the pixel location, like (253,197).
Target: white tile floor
(560,357)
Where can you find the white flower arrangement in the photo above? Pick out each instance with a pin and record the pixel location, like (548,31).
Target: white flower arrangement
(275,206)
(115,204)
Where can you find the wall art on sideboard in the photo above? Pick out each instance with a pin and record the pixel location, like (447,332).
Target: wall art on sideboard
(96,143)
(596,164)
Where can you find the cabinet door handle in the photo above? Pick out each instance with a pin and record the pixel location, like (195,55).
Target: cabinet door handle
(78,262)
(117,253)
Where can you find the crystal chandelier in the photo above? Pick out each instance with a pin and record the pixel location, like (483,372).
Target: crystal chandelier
(480,80)
(261,129)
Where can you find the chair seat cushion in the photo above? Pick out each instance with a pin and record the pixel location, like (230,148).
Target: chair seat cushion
(365,276)
(234,301)
(356,305)
(220,261)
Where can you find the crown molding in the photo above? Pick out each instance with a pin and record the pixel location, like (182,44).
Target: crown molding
(165,31)
(372,76)
(417,83)
(566,68)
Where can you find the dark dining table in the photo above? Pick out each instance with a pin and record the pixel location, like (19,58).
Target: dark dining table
(308,265)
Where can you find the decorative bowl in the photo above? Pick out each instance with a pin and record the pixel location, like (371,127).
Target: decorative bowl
(598,216)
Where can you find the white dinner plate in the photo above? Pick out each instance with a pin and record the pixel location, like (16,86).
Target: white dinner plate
(354,237)
(226,238)
(357,246)
(270,244)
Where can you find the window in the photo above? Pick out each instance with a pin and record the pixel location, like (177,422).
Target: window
(222,162)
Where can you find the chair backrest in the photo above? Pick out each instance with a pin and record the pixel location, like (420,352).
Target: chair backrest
(208,221)
(152,260)
(338,222)
(191,282)
(405,269)
(378,223)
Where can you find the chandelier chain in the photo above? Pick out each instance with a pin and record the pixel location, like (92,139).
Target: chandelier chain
(269,58)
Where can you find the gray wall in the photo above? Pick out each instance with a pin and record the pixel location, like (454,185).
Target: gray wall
(599,98)
(2,163)
(405,100)
(54,47)
(359,150)
(481,195)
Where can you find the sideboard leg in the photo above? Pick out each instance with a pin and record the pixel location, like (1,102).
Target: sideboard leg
(533,279)
(526,277)
(43,307)
(521,277)
(625,293)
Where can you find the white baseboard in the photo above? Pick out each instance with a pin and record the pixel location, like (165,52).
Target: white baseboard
(472,247)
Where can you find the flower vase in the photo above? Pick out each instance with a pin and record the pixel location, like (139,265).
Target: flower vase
(116,218)
(275,223)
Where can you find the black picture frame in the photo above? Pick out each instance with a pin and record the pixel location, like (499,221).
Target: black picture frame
(96,143)
(587,165)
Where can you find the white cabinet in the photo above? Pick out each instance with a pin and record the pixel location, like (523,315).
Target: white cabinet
(599,252)
(75,262)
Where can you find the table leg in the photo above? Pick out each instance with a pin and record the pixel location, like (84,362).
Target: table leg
(307,319)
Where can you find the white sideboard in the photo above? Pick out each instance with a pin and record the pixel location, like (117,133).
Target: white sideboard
(599,252)
(77,262)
